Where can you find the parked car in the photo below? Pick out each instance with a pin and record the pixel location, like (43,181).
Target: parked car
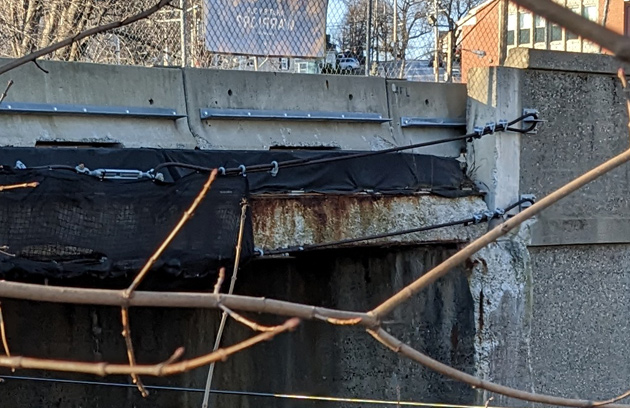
(349,64)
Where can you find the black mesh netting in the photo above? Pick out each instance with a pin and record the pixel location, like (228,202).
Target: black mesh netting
(72,225)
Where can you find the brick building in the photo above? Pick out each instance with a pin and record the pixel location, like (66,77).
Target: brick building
(488,31)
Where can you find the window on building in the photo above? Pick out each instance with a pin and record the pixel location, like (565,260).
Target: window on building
(556,32)
(511,30)
(540,30)
(525,28)
(590,12)
(570,35)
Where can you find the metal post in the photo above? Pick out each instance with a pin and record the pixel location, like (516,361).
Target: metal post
(368,38)
(184,34)
(436,55)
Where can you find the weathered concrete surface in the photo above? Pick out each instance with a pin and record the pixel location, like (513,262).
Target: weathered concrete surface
(554,312)
(586,125)
(501,287)
(580,320)
(317,359)
(429,101)
(207,88)
(493,159)
(527,58)
(283,221)
(99,85)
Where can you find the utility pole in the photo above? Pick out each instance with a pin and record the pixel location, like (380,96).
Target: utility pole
(436,32)
(368,38)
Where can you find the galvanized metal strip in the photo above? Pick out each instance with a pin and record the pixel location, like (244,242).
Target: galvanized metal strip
(407,121)
(48,109)
(261,114)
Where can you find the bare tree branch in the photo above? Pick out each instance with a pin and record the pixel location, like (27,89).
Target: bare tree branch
(21,185)
(575,23)
(108,297)
(155,370)
(3,334)
(87,33)
(220,279)
(612,400)
(461,256)
(246,322)
(126,333)
(217,340)
(399,347)
(185,217)
(6,90)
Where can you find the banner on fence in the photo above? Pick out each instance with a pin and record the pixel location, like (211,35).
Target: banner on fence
(275,28)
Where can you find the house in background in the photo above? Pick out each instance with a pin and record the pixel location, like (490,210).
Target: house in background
(489,30)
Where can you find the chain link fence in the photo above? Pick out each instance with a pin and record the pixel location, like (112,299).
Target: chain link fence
(427,40)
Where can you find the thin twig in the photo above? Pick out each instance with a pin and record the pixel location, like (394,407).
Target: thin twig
(246,322)
(155,370)
(220,279)
(4,251)
(224,315)
(460,257)
(401,348)
(84,34)
(3,334)
(585,28)
(6,90)
(21,185)
(185,217)
(612,400)
(45,71)
(126,333)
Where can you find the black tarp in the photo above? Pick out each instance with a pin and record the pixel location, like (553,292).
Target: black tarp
(395,173)
(73,225)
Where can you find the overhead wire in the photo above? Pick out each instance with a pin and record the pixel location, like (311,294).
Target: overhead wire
(475,219)
(366,401)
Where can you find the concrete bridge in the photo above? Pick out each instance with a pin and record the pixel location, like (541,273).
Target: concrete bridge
(543,310)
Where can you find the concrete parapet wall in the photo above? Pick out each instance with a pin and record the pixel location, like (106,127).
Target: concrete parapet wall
(427,100)
(219,89)
(95,85)
(189,91)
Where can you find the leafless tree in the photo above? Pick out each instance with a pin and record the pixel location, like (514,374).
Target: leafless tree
(28,25)
(415,21)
